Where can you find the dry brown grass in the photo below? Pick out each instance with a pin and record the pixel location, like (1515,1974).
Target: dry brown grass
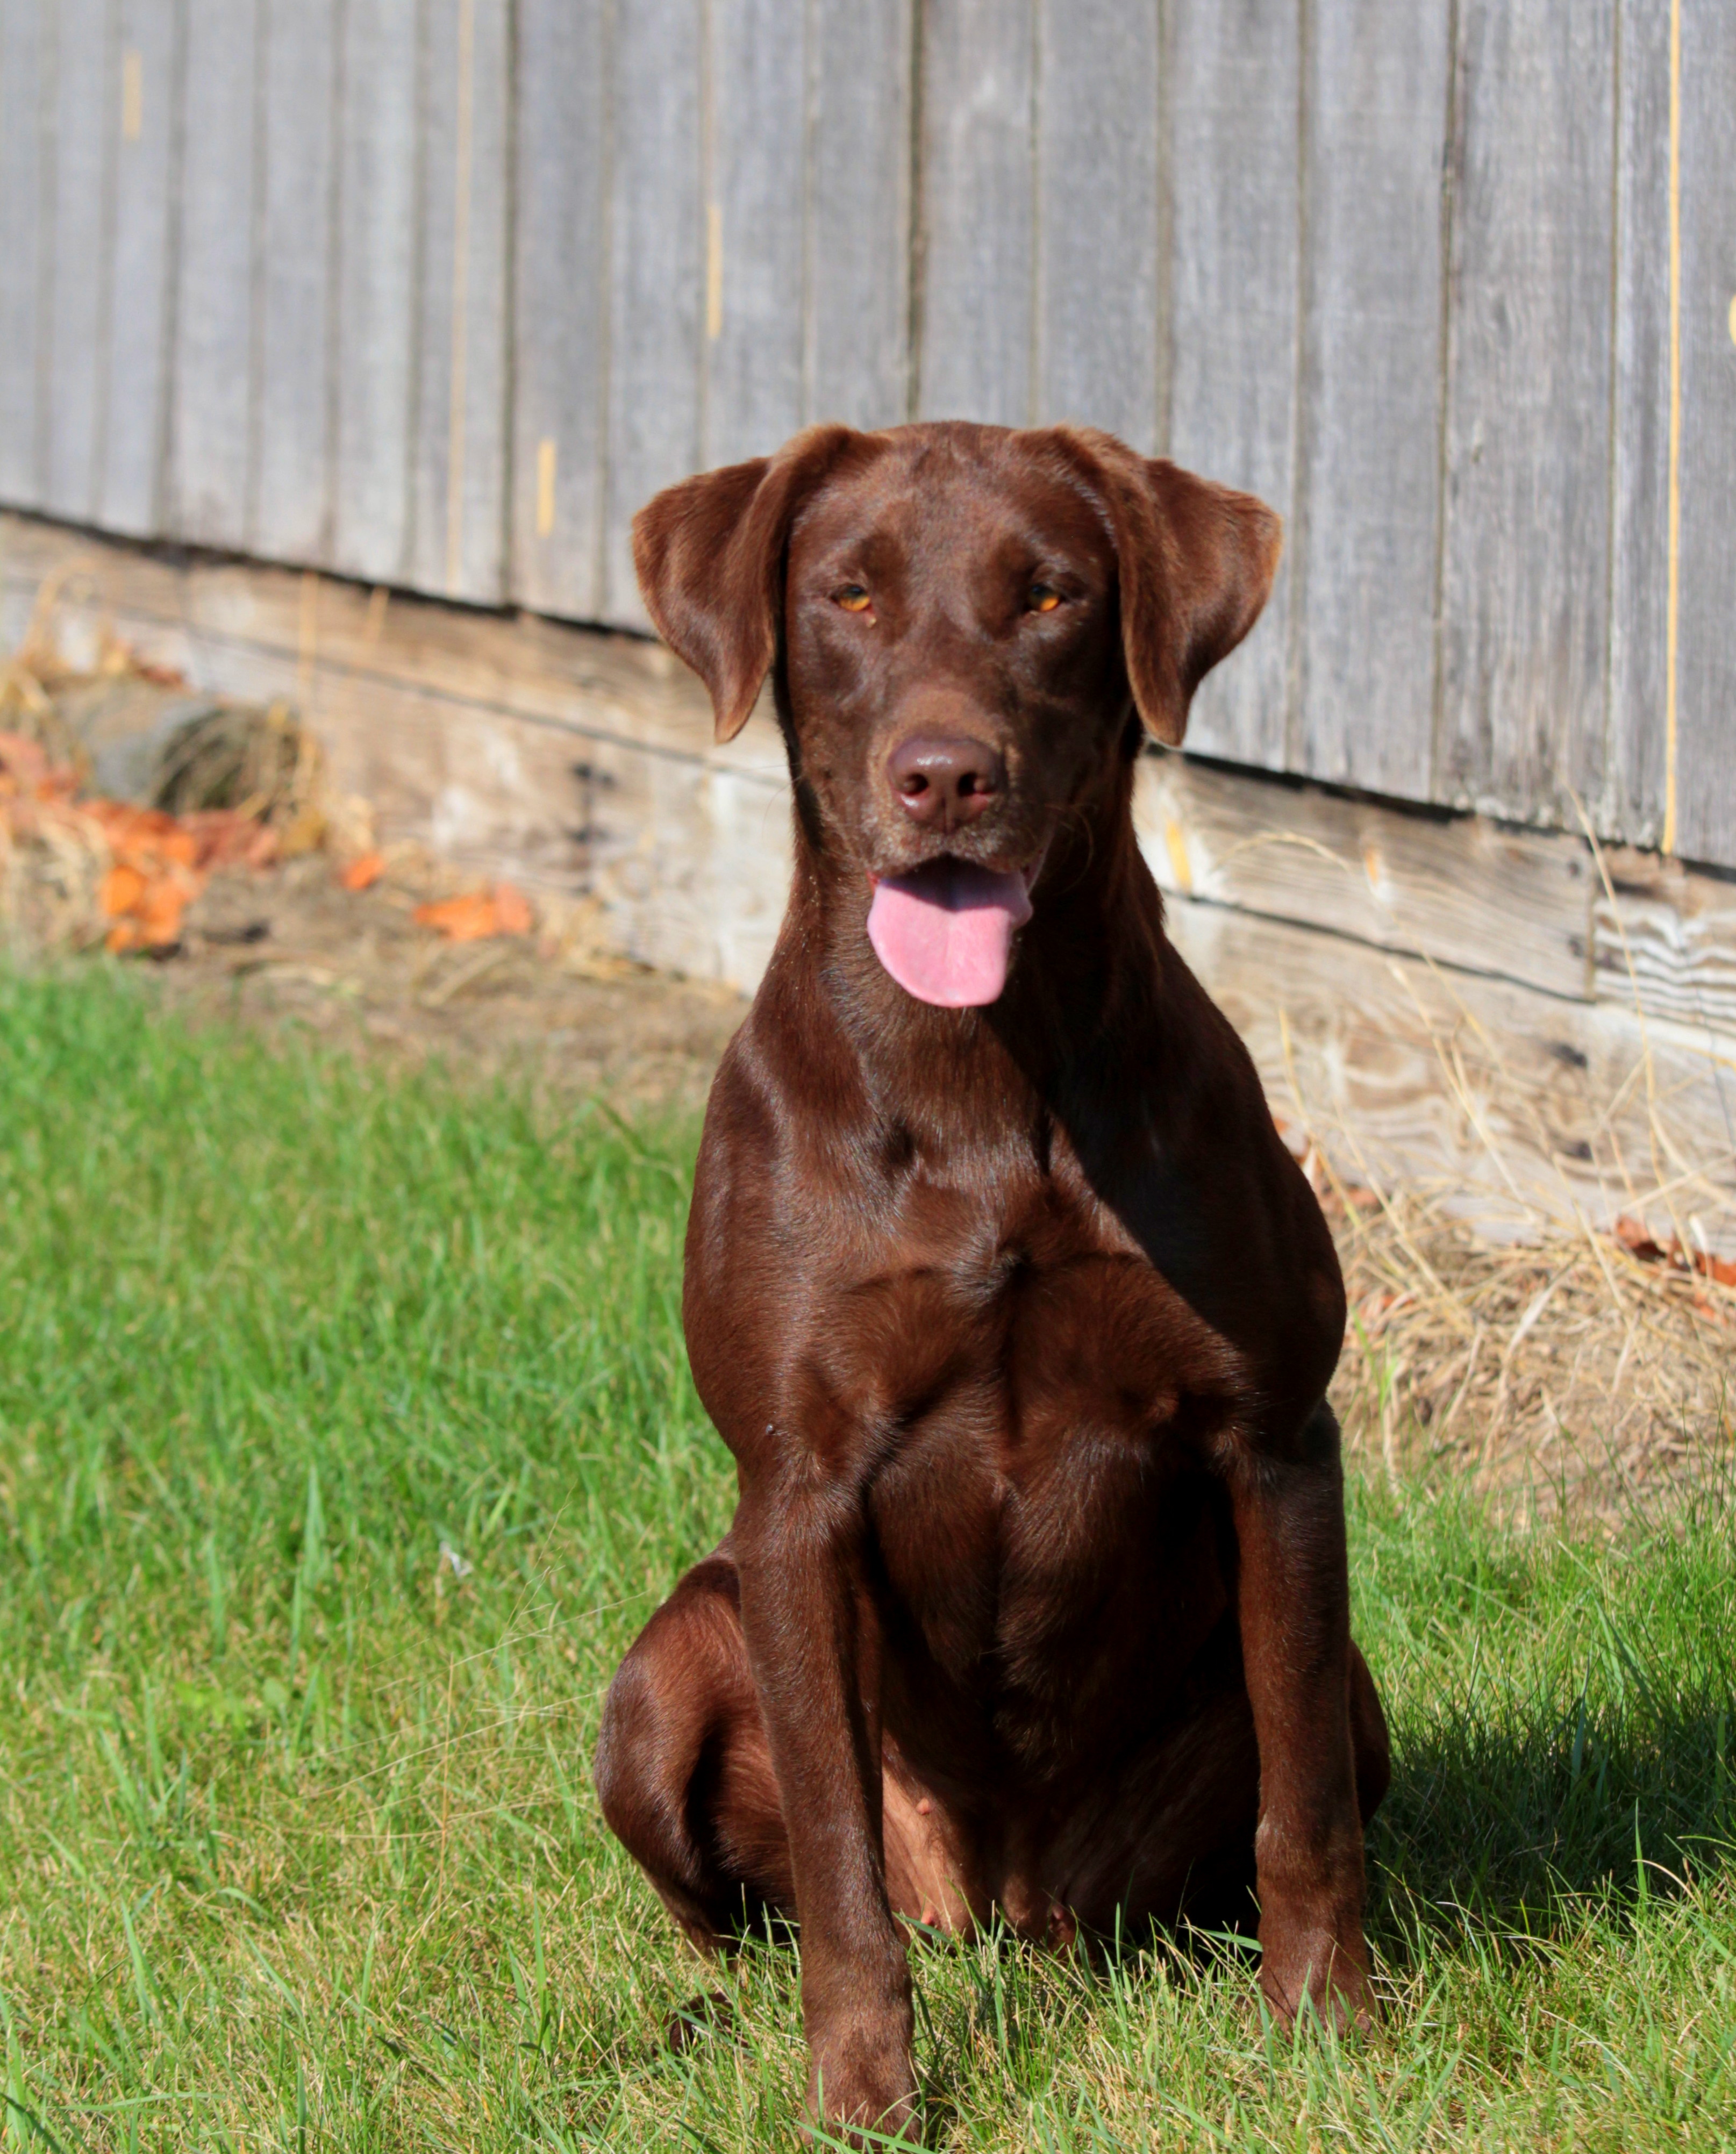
(1562,1372)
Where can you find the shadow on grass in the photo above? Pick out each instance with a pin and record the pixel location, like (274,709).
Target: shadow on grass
(1514,1827)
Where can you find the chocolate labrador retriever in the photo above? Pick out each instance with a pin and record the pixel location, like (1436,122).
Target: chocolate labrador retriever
(1014,1308)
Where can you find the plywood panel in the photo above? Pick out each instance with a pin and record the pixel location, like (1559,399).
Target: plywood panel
(1365,539)
(656,274)
(1706,659)
(755,217)
(1232,98)
(1526,574)
(857,342)
(292,514)
(978,212)
(147,117)
(561,296)
(86,115)
(1096,239)
(26,78)
(215,377)
(460,454)
(378,281)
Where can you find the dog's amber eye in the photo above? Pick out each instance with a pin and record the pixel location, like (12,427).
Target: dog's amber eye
(1042,598)
(852,598)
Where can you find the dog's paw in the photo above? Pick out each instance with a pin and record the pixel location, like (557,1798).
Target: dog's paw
(1313,1970)
(862,2088)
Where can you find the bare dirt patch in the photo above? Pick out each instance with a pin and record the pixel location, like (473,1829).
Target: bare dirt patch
(292,947)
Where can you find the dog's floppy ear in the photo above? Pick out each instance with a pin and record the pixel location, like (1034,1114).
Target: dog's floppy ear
(709,554)
(1195,562)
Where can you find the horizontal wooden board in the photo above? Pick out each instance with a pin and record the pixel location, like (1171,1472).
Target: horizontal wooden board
(1663,941)
(1512,903)
(1513,1108)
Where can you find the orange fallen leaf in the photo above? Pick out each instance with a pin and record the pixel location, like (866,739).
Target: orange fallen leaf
(363,872)
(475,917)
(512,910)
(123,887)
(460,919)
(160,912)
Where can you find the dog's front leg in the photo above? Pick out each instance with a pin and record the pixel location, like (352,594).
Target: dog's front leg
(1295,1608)
(813,1646)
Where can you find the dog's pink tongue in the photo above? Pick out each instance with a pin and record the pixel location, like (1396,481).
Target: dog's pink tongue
(944,933)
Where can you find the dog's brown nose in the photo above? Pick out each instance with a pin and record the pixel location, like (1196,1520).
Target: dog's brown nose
(945,782)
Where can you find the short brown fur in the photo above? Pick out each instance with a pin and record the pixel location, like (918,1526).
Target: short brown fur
(1018,1320)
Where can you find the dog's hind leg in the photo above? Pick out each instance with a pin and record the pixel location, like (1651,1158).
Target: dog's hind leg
(683,1770)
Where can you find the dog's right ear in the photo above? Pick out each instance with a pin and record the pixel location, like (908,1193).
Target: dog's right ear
(709,554)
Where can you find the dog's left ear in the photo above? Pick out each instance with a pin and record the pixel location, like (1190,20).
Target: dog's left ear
(709,554)
(1195,562)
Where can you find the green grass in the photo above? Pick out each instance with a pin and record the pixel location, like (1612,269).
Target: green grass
(297,1847)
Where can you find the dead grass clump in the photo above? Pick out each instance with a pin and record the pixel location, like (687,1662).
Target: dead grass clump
(1567,1372)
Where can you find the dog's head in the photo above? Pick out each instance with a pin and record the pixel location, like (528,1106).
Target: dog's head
(961,621)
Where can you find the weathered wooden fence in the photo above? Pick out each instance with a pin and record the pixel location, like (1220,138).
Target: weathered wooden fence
(434,293)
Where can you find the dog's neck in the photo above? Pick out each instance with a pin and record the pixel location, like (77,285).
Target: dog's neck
(1088,966)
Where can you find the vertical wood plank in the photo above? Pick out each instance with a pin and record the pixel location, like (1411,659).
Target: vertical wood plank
(754,219)
(378,275)
(25,79)
(1706,647)
(1632,801)
(1233,154)
(214,379)
(976,213)
(657,274)
(1096,238)
(145,114)
(1526,572)
(460,453)
(291,517)
(857,343)
(1365,539)
(560,324)
(85,117)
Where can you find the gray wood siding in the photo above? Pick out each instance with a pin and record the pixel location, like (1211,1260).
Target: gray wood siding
(435,292)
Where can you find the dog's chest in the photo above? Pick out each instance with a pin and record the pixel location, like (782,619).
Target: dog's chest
(1043,1527)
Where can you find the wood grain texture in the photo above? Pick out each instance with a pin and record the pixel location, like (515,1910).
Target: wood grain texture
(656,268)
(560,358)
(146,214)
(293,444)
(756,216)
(978,212)
(1515,904)
(1664,942)
(25,79)
(459,456)
(1526,572)
(1365,536)
(1706,675)
(1096,237)
(1632,801)
(1233,157)
(215,377)
(856,351)
(378,284)
(1507,1106)
(86,129)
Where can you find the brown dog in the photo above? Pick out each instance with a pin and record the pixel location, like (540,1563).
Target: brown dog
(1014,1309)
